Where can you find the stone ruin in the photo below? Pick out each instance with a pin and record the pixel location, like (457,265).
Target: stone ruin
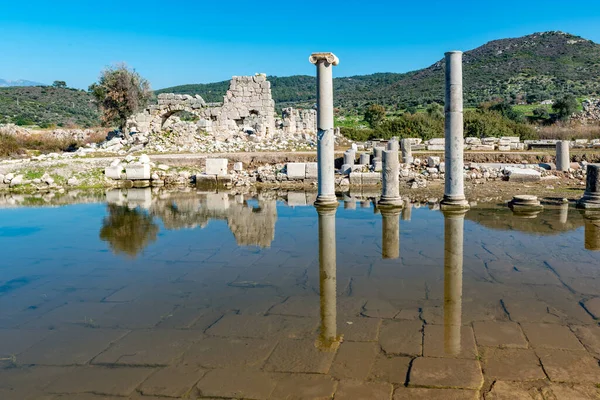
(248,108)
(590,112)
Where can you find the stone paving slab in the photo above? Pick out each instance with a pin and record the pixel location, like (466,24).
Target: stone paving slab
(445,373)
(299,356)
(81,313)
(72,346)
(499,334)
(562,391)
(356,390)
(551,336)
(304,387)
(155,348)
(15,341)
(390,369)
(300,306)
(511,364)
(354,360)
(593,306)
(401,337)
(439,341)
(175,381)
(403,393)
(135,315)
(359,329)
(255,326)
(237,383)
(27,383)
(214,352)
(502,390)
(569,366)
(100,380)
(590,337)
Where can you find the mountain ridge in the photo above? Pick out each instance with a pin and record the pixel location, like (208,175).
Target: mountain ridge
(19,82)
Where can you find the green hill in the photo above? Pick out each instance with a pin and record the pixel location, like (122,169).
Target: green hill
(530,68)
(47,106)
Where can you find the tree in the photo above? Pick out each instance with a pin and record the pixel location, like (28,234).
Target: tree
(59,84)
(507,111)
(374,115)
(565,107)
(541,112)
(120,92)
(435,110)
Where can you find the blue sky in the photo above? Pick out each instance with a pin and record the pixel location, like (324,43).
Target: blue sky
(179,42)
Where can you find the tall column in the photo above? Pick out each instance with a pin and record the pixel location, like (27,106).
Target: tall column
(390,232)
(454,191)
(390,193)
(453,271)
(327,278)
(591,197)
(563,158)
(325,135)
(407,157)
(407,210)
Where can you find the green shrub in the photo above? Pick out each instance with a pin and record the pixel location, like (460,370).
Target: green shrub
(8,145)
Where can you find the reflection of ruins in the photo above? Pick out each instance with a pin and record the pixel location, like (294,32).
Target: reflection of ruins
(251,221)
(390,232)
(453,271)
(592,229)
(327,277)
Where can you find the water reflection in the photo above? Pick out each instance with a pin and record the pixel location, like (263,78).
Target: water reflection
(128,231)
(453,275)
(390,235)
(328,338)
(592,230)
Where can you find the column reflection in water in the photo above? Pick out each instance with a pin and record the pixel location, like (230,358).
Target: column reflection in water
(563,214)
(390,232)
(327,278)
(453,271)
(591,220)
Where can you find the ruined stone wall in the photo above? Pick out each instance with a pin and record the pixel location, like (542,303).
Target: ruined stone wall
(247,109)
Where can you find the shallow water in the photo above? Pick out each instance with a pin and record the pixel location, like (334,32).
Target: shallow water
(236,296)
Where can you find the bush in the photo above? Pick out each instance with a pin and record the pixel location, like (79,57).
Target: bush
(357,134)
(8,145)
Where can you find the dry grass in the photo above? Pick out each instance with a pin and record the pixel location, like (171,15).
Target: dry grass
(45,142)
(569,131)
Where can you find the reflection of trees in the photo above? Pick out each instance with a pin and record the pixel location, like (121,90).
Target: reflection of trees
(128,231)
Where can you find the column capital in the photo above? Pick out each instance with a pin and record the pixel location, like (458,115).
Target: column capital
(328,57)
(453,52)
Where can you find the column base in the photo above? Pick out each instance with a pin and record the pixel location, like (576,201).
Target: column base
(450,203)
(326,201)
(589,201)
(390,202)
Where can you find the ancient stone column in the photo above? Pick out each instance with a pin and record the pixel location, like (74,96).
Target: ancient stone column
(365,158)
(454,192)
(591,197)
(390,193)
(407,157)
(327,277)
(325,135)
(563,158)
(390,232)
(453,271)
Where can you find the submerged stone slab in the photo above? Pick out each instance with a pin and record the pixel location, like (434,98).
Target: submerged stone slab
(100,380)
(403,393)
(445,373)
(390,369)
(570,366)
(174,381)
(216,166)
(299,356)
(511,364)
(499,334)
(551,336)
(353,390)
(354,360)
(436,344)
(236,383)
(137,172)
(401,337)
(304,386)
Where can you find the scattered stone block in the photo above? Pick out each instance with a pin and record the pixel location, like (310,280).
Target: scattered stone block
(370,178)
(523,175)
(113,171)
(356,178)
(216,166)
(238,166)
(137,171)
(296,170)
(436,147)
(311,170)
(445,373)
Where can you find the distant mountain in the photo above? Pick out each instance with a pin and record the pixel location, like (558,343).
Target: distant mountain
(19,82)
(536,67)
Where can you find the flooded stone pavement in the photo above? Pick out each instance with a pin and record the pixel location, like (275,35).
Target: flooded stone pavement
(212,295)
